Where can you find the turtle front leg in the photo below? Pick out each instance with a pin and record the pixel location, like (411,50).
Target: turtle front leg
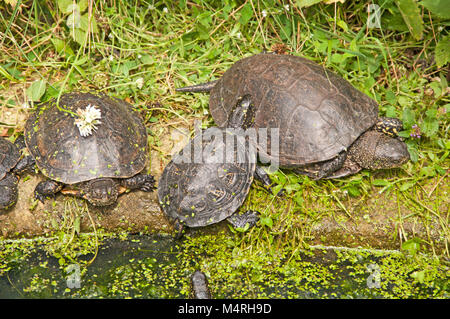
(47,189)
(261,175)
(143,182)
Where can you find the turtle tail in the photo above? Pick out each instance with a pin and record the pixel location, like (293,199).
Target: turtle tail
(202,87)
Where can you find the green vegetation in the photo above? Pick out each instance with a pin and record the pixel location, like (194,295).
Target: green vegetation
(142,50)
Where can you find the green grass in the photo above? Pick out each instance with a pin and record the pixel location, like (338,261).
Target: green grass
(142,50)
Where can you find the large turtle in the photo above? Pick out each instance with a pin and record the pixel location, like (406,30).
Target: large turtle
(96,163)
(210,178)
(327,128)
(11,165)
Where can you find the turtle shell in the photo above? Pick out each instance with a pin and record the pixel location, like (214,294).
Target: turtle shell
(9,156)
(203,187)
(117,148)
(318,113)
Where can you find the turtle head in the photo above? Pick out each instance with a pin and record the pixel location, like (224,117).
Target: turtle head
(375,150)
(242,114)
(101,191)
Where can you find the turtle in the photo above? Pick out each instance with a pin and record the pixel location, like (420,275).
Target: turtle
(327,128)
(12,164)
(97,163)
(199,286)
(203,184)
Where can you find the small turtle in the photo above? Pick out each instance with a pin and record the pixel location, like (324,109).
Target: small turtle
(210,178)
(199,286)
(327,128)
(11,165)
(90,146)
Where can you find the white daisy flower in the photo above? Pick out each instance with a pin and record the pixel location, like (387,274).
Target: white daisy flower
(286,6)
(88,119)
(139,83)
(264,13)
(165,10)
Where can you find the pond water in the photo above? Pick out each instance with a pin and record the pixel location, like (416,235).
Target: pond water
(159,267)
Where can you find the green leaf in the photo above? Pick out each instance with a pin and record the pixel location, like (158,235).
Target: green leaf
(412,245)
(406,186)
(84,23)
(442,51)
(437,7)
(411,15)
(246,14)
(76,224)
(412,150)
(267,221)
(203,32)
(63,5)
(430,125)
(353,191)
(306,3)
(380,182)
(36,90)
(408,118)
(61,47)
(419,276)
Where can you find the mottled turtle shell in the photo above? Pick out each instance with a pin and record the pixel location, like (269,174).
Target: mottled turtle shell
(9,156)
(117,148)
(202,188)
(319,114)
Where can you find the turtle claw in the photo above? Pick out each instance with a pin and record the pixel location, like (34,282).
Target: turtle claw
(40,197)
(149,184)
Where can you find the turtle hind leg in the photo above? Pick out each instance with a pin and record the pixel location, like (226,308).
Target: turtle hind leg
(143,182)
(324,169)
(179,228)
(25,164)
(244,220)
(8,191)
(46,189)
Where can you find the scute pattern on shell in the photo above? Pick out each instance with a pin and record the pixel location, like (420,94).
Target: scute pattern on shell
(9,156)
(319,114)
(205,192)
(118,148)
